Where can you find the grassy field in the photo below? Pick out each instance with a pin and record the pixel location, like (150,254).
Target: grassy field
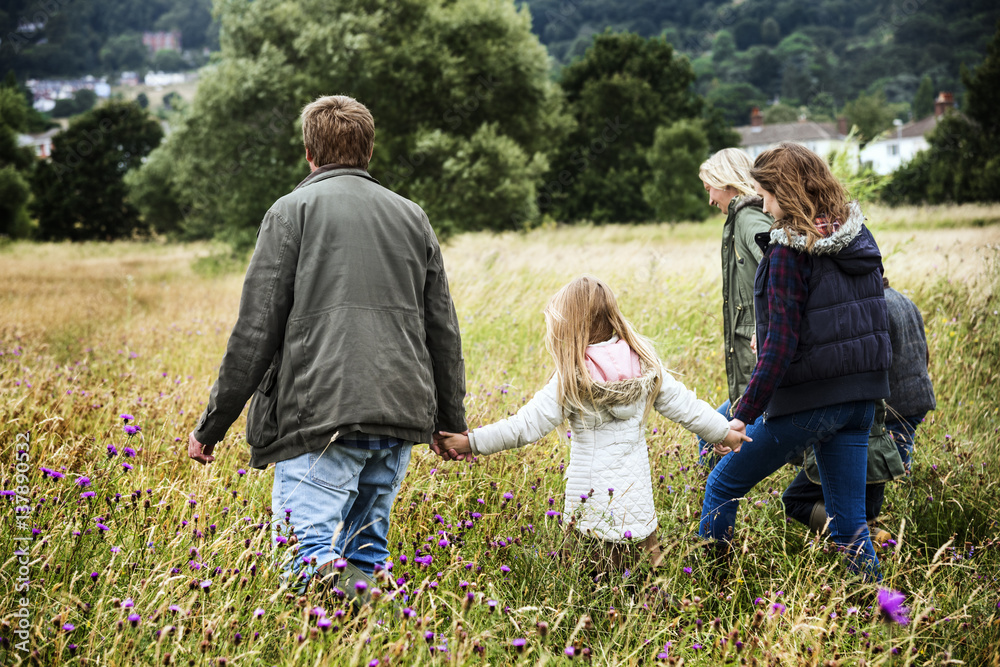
(139,557)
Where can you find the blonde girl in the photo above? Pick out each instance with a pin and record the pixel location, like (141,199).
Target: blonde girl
(607,379)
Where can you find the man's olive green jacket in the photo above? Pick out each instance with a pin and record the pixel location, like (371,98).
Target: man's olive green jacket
(345,324)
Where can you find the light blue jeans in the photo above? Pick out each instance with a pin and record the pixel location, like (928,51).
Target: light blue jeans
(839,436)
(340,491)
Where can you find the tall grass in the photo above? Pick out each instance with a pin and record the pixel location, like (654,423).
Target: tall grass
(88,333)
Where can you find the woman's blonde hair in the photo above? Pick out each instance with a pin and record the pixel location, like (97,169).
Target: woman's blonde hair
(583,313)
(803,187)
(729,168)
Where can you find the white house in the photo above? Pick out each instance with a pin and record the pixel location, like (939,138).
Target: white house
(40,144)
(821,138)
(896,147)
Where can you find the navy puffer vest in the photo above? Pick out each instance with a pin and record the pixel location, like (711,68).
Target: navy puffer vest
(844,352)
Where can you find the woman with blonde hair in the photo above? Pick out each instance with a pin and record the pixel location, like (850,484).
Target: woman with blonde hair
(607,379)
(823,334)
(726,177)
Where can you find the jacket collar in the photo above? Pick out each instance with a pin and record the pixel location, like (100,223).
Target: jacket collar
(829,245)
(331,170)
(740,202)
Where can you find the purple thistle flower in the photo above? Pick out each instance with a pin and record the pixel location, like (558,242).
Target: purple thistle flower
(68,627)
(128,604)
(130,429)
(126,417)
(569,651)
(126,466)
(206,584)
(519,643)
(134,619)
(87,494)
(174,608)
(324,623)
(129,452)
(508,495)
(241,472)
(94,576)
(504,569)
(628,534)
(778,608)
(83,481)
(112,451)
(373,663)
(687,570)
(360,587)
(258,613)
(102,527)
(891,604)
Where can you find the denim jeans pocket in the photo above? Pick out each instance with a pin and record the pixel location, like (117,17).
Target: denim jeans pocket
(825,420)
(337,467)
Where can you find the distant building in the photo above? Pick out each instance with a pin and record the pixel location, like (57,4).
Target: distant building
(896,147)
(41,143)
(158,41)
(820,138)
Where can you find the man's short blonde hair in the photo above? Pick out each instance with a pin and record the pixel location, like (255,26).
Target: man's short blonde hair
(729,168)
(337,129)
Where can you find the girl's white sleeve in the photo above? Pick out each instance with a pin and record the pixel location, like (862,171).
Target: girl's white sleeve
(678,403)
(536,419)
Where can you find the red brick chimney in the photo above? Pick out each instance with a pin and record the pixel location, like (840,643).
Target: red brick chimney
(842,126)
(756,117)
(943,103)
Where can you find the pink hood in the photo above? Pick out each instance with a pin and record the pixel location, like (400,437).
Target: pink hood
(611,361)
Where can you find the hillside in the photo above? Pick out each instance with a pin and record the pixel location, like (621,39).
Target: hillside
(819,54)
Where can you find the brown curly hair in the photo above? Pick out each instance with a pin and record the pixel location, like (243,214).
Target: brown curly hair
(803,186)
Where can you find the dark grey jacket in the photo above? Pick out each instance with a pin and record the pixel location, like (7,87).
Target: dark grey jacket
(912,391)
(740,256)
(346,324)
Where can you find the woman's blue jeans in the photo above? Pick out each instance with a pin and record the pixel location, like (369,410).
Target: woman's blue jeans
(344,493)
(839,436)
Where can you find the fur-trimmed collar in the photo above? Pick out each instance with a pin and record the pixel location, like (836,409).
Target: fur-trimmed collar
(625,392)
(830,245)
(747,200)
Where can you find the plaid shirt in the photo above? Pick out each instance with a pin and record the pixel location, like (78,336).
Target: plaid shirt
(787,280)
(360,440)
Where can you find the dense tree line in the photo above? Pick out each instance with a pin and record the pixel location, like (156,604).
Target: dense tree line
(963,161)
(65,38)
(469,122)
(819,55)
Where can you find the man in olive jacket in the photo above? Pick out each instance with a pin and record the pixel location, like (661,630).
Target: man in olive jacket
(348,333)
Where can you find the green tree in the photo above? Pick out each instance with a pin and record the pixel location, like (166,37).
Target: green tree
(735,100)
(142,100)
(82,100)
(421,66)
(124,53)
(871,114)
(167,60)
(15,164)
(80,193)
(619,93)
(781,113)
(923,102)
(770,31)
(962,163)
(724,46)
(674,191)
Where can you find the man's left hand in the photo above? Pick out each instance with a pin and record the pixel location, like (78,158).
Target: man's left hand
(199,452)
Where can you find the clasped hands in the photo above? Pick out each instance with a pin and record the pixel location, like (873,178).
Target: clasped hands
(734,439)
(452,446)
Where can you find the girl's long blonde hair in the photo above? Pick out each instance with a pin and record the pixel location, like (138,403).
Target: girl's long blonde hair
(583,313)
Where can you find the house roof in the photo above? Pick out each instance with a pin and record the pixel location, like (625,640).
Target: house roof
(917,128)
(777,132)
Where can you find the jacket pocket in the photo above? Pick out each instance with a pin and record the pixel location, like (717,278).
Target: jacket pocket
(262,416)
